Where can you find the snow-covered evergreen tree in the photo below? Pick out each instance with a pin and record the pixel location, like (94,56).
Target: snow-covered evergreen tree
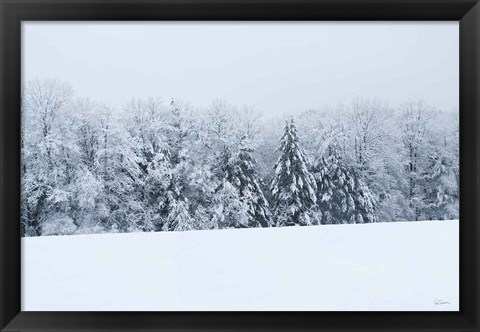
(414,122)
(179,218)
(438,183)
(343,198)
(89,168)
(229,211)
(157,182)
(293,186)
(243,176)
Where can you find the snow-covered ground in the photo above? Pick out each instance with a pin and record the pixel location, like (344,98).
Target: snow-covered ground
(385,266)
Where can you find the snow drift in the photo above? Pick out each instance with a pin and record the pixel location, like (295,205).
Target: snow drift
(384,266)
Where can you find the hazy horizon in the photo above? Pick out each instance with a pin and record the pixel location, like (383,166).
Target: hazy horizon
(279,67)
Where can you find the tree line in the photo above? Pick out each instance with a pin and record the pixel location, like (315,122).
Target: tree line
(88,167)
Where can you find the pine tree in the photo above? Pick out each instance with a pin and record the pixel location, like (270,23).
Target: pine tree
(228,209)
(178,217)
(243,176)
(157,190)
(414,123)
(293,186)
(342,195)
(165,195)
(438,184)
(176,133)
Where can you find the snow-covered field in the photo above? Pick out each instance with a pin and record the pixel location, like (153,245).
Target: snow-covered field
(385,266)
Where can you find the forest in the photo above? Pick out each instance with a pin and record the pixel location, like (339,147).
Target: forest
(158,164)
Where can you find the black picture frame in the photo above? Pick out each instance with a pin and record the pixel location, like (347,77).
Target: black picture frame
(13,12)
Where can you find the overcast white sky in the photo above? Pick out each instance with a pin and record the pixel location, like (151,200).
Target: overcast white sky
(281,67)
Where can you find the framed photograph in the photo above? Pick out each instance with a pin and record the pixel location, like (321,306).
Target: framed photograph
(239,165)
